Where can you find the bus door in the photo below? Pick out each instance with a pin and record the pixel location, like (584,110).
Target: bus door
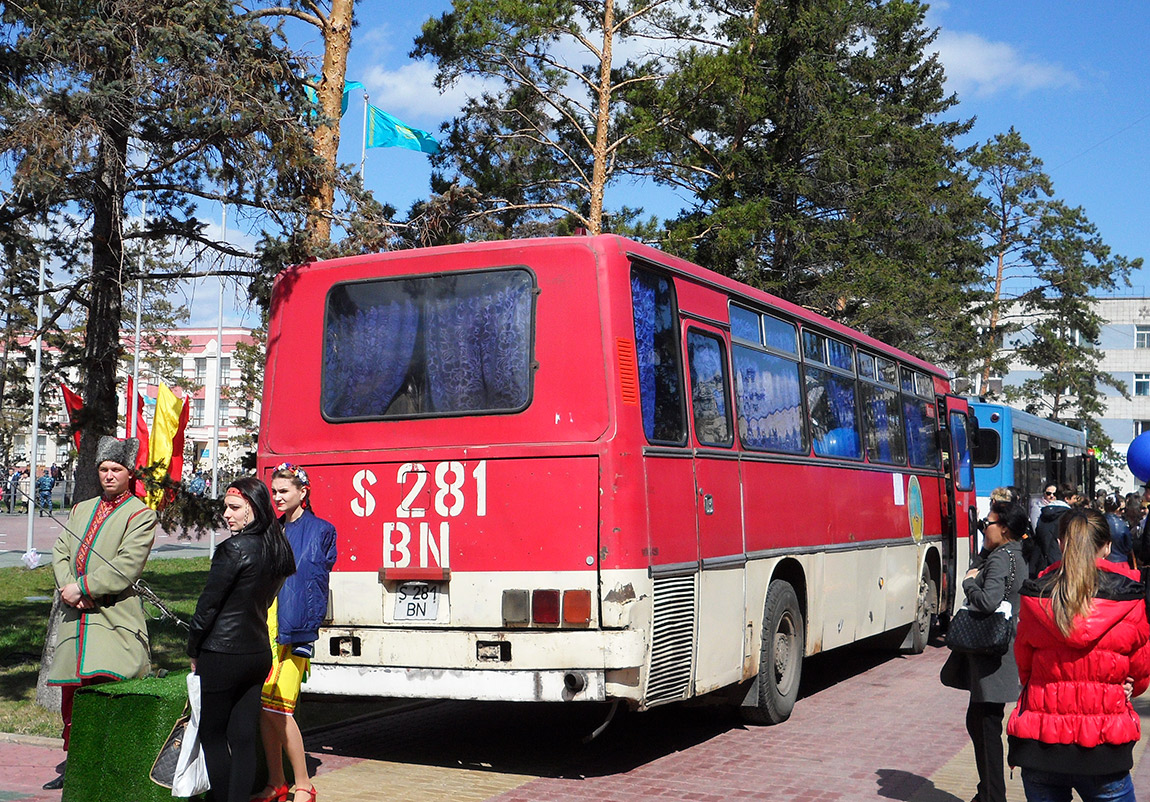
(718,510)
(961,505)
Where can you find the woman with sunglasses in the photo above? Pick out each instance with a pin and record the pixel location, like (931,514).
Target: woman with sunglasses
(996,573)
(294,623)
(1082,653)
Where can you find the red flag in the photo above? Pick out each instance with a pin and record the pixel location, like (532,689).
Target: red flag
(74,404)
(176,470)
(141,425)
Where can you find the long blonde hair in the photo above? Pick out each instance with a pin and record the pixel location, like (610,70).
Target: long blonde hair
(1082,532)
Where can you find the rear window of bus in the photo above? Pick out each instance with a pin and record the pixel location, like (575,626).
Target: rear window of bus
(427,346)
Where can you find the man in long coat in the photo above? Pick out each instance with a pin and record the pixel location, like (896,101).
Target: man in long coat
(103,635)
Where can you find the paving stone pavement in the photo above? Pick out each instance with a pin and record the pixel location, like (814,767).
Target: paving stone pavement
(870,727)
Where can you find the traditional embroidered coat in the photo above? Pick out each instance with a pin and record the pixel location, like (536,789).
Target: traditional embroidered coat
(110,640)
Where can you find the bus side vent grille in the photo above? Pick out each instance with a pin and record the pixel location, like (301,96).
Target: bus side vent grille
(672,640)
(628,372)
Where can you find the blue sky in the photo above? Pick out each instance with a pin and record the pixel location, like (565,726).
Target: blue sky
(1070,77)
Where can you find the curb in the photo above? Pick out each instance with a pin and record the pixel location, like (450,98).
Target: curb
(31,740)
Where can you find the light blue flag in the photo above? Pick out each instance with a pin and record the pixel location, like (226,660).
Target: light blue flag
(384,131)
(347,88)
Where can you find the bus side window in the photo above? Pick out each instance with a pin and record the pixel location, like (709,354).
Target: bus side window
(710,400)
(885,441)
(657,355)
(921,432)
(834,414)
(770,401)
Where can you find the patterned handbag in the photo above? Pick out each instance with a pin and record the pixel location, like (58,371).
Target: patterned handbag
(164,769)
(972,632)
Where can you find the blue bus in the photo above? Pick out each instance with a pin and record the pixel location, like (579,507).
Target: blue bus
(1028,452)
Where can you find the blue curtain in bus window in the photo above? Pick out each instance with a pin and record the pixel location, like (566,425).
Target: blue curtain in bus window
(708,389)
(368,350)
(656,352)
(960,448)
(477,340)
(921,433)
(834,418)
(769,401)
(882,421)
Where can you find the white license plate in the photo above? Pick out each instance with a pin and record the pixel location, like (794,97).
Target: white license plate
(417,601)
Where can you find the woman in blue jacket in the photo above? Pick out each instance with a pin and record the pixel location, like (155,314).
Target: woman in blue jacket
(297,613)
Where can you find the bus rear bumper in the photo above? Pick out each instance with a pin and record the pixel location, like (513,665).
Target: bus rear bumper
(518,665)
(573,685)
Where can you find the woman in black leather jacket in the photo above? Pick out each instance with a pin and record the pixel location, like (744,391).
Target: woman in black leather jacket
(228,642)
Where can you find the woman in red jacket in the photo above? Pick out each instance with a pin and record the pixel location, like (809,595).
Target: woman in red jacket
(1082,650)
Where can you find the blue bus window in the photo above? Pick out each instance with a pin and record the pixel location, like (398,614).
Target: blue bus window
(888,372)
(840,355)
(745,325)
(814,347)
(709,398)
(779,334)
(833,414)
(770,401)
(866,366)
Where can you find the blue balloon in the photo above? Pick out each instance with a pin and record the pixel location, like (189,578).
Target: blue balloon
(1138,457)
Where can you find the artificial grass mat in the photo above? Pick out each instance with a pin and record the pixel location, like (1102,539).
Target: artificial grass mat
(117,731)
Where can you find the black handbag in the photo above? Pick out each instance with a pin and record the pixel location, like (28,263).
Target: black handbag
(164,769)
(973,632)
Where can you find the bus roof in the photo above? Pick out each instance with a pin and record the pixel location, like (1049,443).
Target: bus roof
(605,243)
(1021,421)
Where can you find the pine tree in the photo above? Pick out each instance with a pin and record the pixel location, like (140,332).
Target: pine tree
(178,102)
(812,136)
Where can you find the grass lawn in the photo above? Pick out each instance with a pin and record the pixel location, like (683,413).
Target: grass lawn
(26,600)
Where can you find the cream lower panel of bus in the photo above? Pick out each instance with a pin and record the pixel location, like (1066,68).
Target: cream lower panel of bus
(722,657)
(512,665)
(852,592)
(468,599)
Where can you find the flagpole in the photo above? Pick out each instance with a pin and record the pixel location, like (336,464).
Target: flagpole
(35,413)
(219,379)
(132,407)
(363,151)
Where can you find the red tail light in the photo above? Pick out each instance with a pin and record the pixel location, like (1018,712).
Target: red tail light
(545,606)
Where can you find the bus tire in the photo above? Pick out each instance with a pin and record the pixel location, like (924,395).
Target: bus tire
(780,658)
(925,611)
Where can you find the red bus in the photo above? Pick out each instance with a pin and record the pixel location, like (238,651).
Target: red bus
(579,469)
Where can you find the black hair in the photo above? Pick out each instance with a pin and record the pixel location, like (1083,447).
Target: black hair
(278,557)
(1013,518)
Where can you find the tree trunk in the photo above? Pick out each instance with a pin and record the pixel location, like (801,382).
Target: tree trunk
(602,121)
(995,301)
(321,196)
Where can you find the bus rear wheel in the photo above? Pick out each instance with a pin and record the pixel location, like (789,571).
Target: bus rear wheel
(781,657)
(927,607)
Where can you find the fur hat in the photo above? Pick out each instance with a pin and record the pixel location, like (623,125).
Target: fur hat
(123,452)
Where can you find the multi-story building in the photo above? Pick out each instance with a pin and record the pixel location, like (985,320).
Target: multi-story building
(198,366)
(1125,343)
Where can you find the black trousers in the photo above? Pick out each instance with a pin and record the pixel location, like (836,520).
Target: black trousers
(230,719)
(984,724)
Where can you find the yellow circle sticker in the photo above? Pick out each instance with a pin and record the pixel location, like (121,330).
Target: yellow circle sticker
(914,508)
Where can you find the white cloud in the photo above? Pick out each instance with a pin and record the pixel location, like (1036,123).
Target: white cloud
(980,67)
(409,92)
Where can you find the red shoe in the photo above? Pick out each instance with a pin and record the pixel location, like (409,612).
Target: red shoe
(310,794)
(278,794)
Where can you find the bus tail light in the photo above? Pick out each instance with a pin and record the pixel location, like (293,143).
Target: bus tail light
(576,607)
(515,609)
(545,606)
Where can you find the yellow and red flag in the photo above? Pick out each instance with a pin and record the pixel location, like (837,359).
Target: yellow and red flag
(166,454)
